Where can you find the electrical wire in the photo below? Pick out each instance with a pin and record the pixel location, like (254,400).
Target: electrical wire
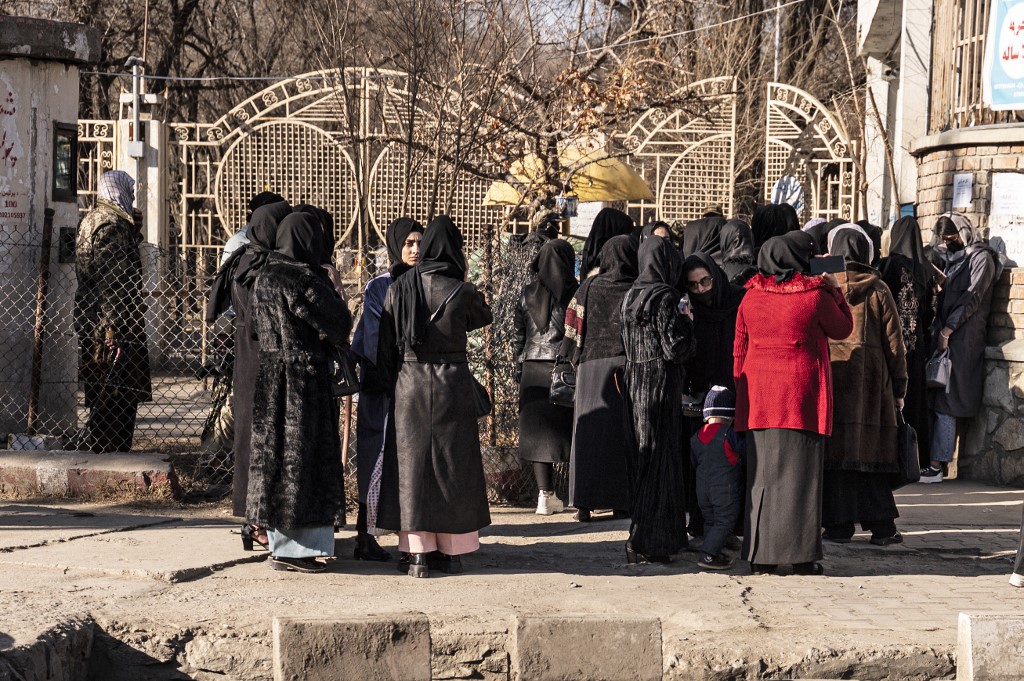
(638,41)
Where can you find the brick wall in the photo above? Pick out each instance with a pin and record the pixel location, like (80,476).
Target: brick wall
(935,173)
(1006,322)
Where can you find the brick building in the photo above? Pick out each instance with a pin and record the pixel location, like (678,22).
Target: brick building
(933,133)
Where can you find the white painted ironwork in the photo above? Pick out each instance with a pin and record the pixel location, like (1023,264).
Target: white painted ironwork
(686,154)
(95,157)
(805,141)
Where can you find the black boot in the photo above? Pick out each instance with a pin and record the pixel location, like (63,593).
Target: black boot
(367,548)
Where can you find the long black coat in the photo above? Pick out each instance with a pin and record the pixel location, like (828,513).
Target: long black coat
(243,386)
(654,379)
(295,473)
(433,478)
(964,305)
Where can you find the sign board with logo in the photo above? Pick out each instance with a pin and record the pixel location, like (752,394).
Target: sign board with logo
(1003,72)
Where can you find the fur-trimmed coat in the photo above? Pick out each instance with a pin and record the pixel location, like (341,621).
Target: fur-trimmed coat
(780,355)
(295,473)
(869,373)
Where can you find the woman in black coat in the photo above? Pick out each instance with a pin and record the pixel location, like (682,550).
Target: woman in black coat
(593,344)
(251,260)
(545,429)
(657,338)
(737,245)
(433,492)
(295,474)
(961,318)
(714,303)
(910,276)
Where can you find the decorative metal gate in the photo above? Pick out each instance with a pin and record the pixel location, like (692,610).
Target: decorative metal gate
(686,156)
(805,141)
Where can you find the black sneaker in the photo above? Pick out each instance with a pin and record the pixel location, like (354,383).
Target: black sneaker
(442,562)
(715,562)
(931,474)
(896,538)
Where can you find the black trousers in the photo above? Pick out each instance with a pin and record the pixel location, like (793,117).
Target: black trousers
(111,425)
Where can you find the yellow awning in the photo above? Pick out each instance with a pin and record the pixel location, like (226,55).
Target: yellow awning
(597,178)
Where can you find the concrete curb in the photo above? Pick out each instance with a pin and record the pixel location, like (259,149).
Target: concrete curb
(990,647)
(85,475)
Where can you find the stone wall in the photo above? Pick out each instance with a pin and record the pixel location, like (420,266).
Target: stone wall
(992,446)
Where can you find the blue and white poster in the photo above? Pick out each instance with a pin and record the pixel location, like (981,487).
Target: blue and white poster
(1003,77)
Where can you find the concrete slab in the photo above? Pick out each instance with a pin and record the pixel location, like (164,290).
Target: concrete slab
(372,648)
(990,647)
(175,551)
(596,648)
(51,40)
(25,526)
(85,475)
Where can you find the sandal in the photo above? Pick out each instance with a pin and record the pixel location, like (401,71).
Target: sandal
(253,533)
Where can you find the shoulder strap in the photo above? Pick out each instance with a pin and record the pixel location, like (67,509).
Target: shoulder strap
(444,303)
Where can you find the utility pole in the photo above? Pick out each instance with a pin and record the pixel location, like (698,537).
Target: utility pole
(136,149)
(778,38)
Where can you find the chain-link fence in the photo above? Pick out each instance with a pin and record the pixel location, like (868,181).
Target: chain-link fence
(61,377)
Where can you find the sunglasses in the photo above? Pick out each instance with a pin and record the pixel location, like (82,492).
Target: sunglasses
(700,283)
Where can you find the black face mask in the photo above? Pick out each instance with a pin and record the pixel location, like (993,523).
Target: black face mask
(703,298)
(954,246)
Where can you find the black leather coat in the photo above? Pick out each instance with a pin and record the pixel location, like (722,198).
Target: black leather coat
(530,343)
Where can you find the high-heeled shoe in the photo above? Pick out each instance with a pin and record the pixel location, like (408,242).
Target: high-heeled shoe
(633,556)
(418,565)
(251,533)
(367,548)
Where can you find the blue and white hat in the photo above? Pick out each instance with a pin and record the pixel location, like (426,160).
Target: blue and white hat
(720,401)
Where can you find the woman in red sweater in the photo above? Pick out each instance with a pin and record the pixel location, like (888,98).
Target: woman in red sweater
(784,398)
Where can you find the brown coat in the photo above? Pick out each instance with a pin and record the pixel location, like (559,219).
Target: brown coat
(869,372)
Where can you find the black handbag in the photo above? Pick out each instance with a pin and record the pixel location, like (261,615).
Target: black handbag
(906,453)
(563,385)
(342,368)
(481,400)
(938,369)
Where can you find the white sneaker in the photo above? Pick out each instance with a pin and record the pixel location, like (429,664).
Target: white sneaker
(1017,580)
(931,474)
(549,504)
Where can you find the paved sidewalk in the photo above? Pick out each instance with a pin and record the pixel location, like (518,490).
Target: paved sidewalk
(173,583)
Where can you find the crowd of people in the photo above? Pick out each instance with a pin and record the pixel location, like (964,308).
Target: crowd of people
(722,386)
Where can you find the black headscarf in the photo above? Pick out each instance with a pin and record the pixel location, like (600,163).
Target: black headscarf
(874,233)
(608,223)
(905,244)
(440,253)
(398,231)
(661,269)
(618,259)
(648,230)
(820,234)
(784,256)
(774,219)
(260,200)
(725,297)
(555,266)
(737,246)
(262,239)
(704,236)
(326,221)
(853,244)
(300,237)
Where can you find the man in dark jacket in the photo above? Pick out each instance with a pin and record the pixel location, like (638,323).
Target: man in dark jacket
(110,318)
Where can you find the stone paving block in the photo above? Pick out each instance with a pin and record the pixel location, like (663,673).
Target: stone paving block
(592,647)
(990,647)
(371,648)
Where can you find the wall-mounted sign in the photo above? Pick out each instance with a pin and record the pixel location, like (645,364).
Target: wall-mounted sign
(963,190)
(1006,215)
(1003,73)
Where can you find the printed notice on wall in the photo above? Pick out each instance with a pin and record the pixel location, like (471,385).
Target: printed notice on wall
(963,190)
(1006,216)
(584,220)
